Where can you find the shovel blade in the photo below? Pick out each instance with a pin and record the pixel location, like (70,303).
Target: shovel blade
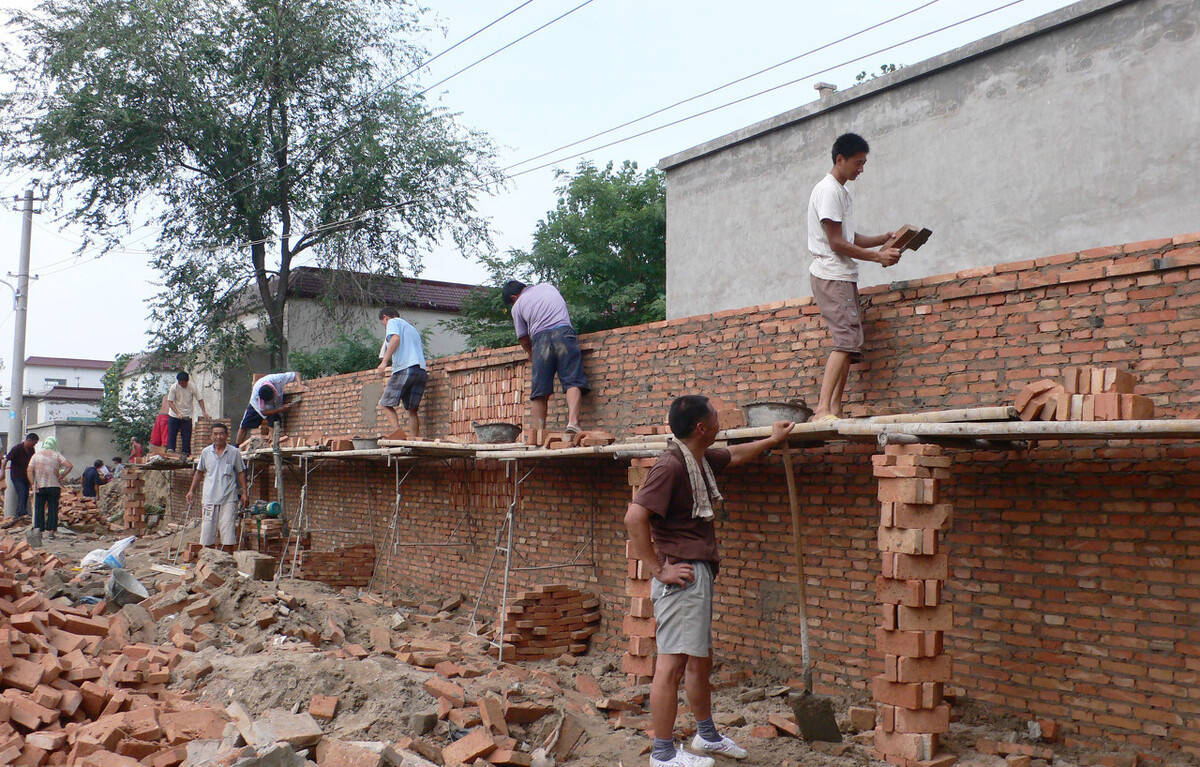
(814,715)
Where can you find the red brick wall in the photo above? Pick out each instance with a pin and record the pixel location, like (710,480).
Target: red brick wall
(1075,570)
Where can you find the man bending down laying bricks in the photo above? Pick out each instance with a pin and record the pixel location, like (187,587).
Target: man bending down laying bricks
(266,403)
(677,503)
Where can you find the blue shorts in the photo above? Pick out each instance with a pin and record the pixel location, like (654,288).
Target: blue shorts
(253,418)
(557,351)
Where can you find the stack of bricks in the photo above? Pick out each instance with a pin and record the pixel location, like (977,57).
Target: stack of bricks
(550,621)
(1085,394)
(133,499)
(638,660)
(349,566)
(914,616)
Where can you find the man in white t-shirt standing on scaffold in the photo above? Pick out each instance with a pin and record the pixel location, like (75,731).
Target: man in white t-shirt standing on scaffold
(835,246)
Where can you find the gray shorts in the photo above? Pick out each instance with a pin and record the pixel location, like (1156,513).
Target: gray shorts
(838,302)
(683,614)
(219,520)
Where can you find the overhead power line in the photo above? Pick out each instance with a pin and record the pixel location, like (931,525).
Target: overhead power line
(765,91)
(722,87)
(376,91)
(356,124)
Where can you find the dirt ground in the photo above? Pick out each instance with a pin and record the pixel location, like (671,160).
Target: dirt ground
(273,667)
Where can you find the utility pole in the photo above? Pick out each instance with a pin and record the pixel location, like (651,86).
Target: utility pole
(16,421)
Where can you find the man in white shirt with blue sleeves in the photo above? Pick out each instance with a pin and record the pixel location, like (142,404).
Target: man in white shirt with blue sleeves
(406,353)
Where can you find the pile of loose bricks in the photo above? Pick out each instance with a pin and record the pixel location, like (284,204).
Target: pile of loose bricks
(75,690)
(912,713)
(549,621)
(74,510)
(1085,394)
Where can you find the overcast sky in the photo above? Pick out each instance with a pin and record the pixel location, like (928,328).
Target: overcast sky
(610,61)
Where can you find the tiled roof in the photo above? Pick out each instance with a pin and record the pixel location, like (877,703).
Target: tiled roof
(363,288)
(69,362)
(147,362)
(72,394)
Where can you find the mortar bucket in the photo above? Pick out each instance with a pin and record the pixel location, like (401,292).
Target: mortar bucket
(123,589)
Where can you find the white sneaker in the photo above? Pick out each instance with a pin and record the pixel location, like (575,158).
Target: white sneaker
(683,759)
(726,747)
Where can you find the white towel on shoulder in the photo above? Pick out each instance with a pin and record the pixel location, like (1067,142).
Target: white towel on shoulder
(705,495)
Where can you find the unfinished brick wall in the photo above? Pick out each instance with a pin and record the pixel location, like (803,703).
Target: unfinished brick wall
(1075,571)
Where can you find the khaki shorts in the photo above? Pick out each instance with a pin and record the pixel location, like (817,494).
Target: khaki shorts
(838,302)
(219,519)
(683,614)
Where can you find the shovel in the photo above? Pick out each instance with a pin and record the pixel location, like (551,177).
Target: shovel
(814,713)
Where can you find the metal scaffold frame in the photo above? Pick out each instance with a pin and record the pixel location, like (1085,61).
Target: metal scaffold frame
(506,531)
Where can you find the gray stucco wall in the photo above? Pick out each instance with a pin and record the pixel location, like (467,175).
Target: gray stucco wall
(80,443)
(310,326)
(1074,130)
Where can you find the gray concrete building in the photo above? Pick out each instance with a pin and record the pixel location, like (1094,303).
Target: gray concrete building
(1074,130)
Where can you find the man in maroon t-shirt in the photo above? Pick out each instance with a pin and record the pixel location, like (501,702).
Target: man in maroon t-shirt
(683,560)
(17,461)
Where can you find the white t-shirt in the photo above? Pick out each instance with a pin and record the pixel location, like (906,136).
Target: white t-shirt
(277,381)
(830,200)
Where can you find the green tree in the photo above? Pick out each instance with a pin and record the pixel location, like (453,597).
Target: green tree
(349,353)
(259,131)
(603,246)
(130,413)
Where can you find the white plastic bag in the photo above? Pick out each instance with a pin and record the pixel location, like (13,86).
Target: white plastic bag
(113,556)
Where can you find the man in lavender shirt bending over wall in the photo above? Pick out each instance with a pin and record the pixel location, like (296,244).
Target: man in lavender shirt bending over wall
(545,332)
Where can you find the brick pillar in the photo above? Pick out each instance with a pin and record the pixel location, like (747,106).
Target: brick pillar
(638,660)
(912,714)
(133,499)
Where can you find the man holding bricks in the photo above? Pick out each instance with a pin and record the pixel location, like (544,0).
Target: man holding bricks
(835,246)
(221,467)
(676,503)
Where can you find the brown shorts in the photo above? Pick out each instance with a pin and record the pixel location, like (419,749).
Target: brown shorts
(838,302)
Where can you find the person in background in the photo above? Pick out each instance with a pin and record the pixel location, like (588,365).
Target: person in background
(181,398)
(17,462)
(46,470)
(158,435)
(136,450)
(118,467)
(93,478)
